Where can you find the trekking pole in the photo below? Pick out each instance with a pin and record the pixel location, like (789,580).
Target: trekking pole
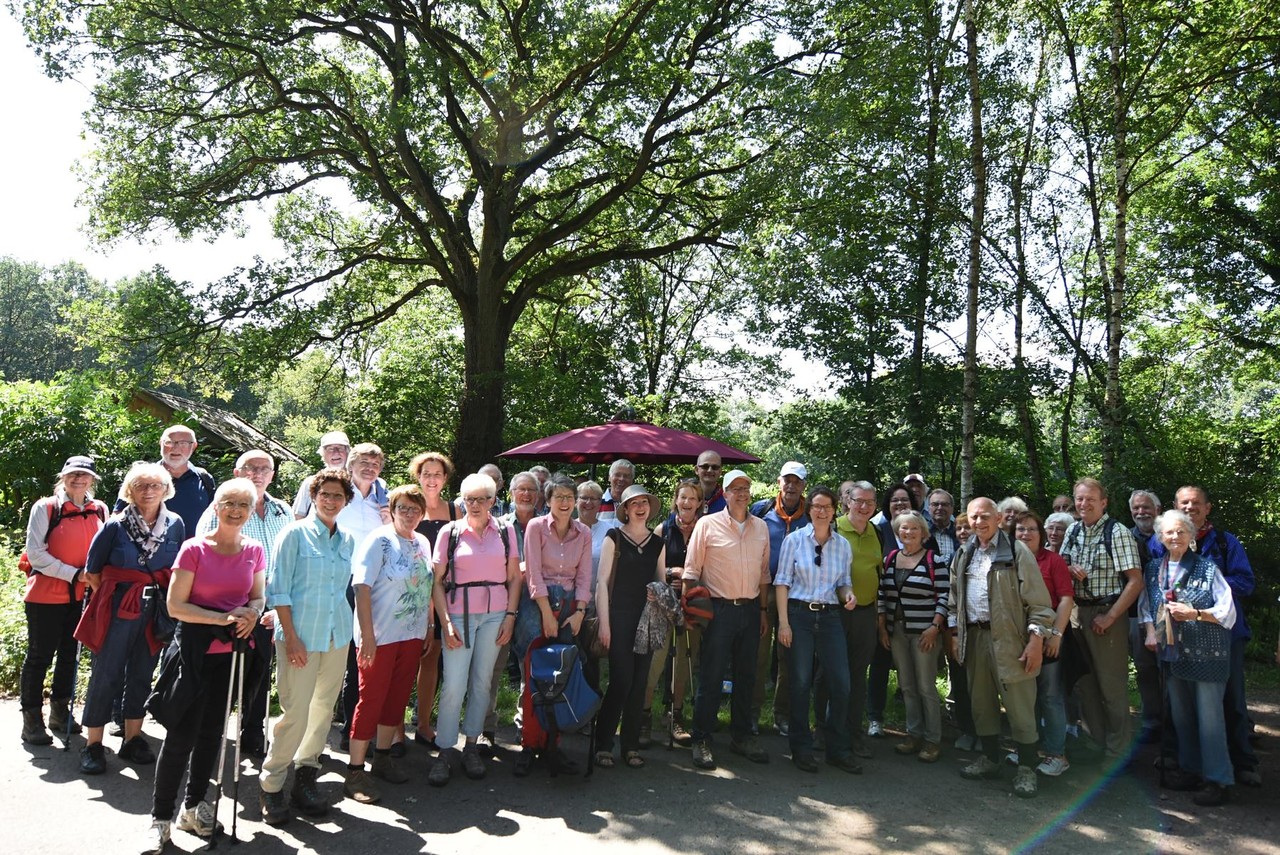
(240,646)
(75,682)
(673,661)
(222,746)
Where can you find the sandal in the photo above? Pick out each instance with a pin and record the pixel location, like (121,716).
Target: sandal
(604,759)
(633,759)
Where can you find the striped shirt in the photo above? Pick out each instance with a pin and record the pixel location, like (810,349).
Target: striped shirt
(310,576)
(798,568)
(921,599)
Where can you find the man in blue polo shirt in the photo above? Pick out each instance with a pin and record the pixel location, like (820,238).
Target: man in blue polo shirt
(783,514)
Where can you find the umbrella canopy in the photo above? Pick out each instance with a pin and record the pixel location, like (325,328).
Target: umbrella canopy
(639,442)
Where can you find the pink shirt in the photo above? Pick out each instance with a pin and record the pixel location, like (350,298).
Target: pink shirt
(730,558)
(222,582)
(548,560)
(478,558)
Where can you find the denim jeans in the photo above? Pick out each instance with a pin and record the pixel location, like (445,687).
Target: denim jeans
(1202,731)
(732,637)
(468,671)
(124,661)
(823,633)
(1051,708)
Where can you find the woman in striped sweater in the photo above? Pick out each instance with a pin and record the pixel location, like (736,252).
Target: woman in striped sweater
(912,610)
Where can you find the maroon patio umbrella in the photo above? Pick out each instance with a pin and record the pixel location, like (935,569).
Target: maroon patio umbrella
(639,442)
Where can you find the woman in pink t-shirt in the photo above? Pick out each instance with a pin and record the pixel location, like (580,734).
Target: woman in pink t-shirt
(219,581)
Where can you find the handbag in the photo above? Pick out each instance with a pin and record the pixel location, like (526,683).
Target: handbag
(156,612)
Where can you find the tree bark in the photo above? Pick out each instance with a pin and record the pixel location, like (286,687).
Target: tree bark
(978,164)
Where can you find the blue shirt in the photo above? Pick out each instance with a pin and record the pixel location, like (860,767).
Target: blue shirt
(798,570)
(312,570)
(767,510)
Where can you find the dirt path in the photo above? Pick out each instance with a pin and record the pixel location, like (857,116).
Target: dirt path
(897,806)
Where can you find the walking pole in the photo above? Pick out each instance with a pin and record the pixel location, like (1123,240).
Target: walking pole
(240,645)
(75,682)
(222,745)
(673,659)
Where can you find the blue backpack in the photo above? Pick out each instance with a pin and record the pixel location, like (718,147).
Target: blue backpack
(562,699)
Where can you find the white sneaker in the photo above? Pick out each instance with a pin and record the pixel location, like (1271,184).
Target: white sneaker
(1053,766)
(874,728)
(1011,758)
(155,838)
(198,820)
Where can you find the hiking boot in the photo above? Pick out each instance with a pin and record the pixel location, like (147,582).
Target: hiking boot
(805,761)
(1212,795)
(1053,766)
(646,729)
(846,763)
(749,748)
(929,752)
(1025,783)
(360,787)
(680,735)
(472,763)
(198,820)
(93,759)
(398,750)
(702,757)
(33,732)
(386,767)
(910,745)
(306,794)
(137,750)
(275,807)
(440,770)
(155,837)
(487,744)
(60,714)
(983,767)
(1182,780)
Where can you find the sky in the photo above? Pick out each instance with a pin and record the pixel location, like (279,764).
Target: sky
(40,220)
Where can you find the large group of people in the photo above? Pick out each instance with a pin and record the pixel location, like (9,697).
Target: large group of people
(367,596)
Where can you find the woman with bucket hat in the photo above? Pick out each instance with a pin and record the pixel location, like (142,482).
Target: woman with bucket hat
(631,558)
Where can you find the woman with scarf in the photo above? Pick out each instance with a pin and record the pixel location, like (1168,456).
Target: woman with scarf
(1186,611)
(219,581)
(59,532)
(128,570)
(632,557)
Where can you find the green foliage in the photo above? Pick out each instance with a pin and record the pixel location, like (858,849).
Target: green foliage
(13,618)
(36,341)
(42,424)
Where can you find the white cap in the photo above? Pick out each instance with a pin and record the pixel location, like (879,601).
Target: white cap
(733,475)
(333,437)
(791,467)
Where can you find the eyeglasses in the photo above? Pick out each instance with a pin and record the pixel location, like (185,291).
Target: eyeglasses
(259,470)
(477,500)
(710,467)
(589,500)
(239,506)
(148,486)
(332,497)
(180,443)
(407,510)
(862,503)
(739,491)
(817,554)
(563,497)
(824,508)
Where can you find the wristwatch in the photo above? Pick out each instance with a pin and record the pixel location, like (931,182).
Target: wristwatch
(1037,629)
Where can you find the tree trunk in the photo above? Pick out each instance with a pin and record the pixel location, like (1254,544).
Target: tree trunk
(979,166)
(486,331)
(1113,403)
